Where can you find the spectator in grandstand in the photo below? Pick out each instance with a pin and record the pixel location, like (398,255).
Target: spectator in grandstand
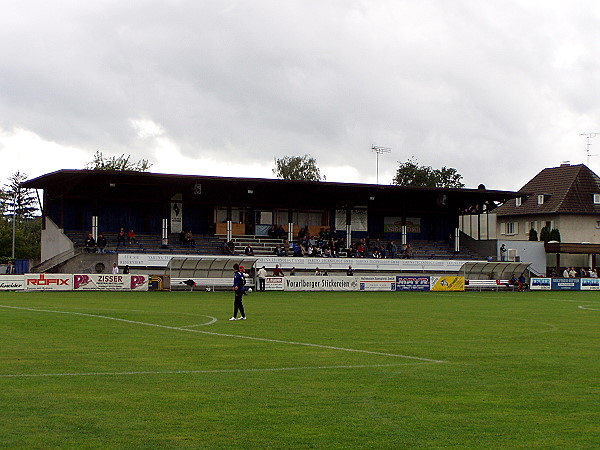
(281,232)
(277,272)
(261,274)
(131,236)
(272,231)
(248,251)
(572,272)
(11,269)
(392,249)
(189,239)
(593,273)
(90,244)
(115,269)
(408,252)
(239,287)
(121,237)
(101,243)
(231,247)
(350,271)
(293,272)
(182,237)
(583,273)
(317,272)
(126,270)
(566,273)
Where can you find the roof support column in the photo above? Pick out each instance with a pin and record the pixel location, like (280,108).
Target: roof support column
(348,228)
(229,230)
(290,226)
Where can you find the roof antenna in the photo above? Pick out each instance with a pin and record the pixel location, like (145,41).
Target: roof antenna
(588,145)
(379,150)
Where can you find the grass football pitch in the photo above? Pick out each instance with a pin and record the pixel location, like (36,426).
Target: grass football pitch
(306,370)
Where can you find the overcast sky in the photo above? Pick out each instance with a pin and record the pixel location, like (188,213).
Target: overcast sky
(497,90)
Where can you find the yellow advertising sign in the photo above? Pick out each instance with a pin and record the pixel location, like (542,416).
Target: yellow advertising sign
(447,283)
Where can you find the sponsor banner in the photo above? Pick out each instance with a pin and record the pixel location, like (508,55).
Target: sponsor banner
(145,260)
(274,284)
(590,284)
(317,283)
(565,284)
(394,225)
(327,264)
(447,283)
(12,282)
(48,282)
(412,283)
(540,284)
(97,282)
(176,213)
(375,283)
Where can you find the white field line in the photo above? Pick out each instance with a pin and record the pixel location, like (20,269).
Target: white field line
(184,372)
(276,341)
(587,307)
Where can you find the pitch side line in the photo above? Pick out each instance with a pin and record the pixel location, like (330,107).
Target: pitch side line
(211,333)
(187,372)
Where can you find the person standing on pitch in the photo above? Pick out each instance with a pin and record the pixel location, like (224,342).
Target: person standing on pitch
(239,286)
(262,274)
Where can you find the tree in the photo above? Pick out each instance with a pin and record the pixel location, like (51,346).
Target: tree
(533,235)
(555,235)
(411,174)
(121,163)
(17,200)
(20,209)
(298,168)
(545,234)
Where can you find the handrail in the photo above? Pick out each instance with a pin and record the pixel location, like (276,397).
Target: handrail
(57,259)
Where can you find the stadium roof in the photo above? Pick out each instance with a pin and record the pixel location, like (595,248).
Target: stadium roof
(264,192)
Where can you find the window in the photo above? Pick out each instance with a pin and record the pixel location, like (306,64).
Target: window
(598,224)
(509,228)
(596,199)
(541,199)
(518,201)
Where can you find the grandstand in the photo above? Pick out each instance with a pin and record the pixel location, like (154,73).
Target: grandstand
(241,210)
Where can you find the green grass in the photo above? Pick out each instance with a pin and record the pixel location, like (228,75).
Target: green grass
(520,370)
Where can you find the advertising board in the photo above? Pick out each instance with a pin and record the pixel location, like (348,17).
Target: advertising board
(274,284)
(590,284)
(12,282)
(412,283)
(97,282)
(447,283)
(317,283)
(566,284)
(48,282)
(540,284)
(377,283)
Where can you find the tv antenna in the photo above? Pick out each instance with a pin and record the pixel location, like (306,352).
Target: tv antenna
(379,151)
(588,136)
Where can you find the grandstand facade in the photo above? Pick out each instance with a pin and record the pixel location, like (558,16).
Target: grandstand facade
(158,207)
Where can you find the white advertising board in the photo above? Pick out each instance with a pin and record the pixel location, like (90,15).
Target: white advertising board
(317,283)
(590,284)
(274,284)
(377,283)
(12,282)
(97,282)
(48,282)
(143,259)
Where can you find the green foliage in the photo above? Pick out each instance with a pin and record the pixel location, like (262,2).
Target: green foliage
(119,163)
(555,235)
(545,234)
(158,384)
(19,200)
(27,238)
(298,168)
(411,174)
(533,235)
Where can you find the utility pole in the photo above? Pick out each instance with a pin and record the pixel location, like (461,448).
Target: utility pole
(379,151)
(588,136)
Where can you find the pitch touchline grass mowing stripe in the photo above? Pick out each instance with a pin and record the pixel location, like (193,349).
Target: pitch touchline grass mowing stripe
(184,372)
(277,341)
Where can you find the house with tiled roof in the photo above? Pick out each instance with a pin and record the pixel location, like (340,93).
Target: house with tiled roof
(566,198)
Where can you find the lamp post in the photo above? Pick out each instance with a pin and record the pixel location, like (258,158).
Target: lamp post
(14,230)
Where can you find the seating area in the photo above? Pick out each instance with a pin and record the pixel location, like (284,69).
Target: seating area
(261,245)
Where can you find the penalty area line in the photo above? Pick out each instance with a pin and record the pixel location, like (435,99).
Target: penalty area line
(237,336)
(206,371)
